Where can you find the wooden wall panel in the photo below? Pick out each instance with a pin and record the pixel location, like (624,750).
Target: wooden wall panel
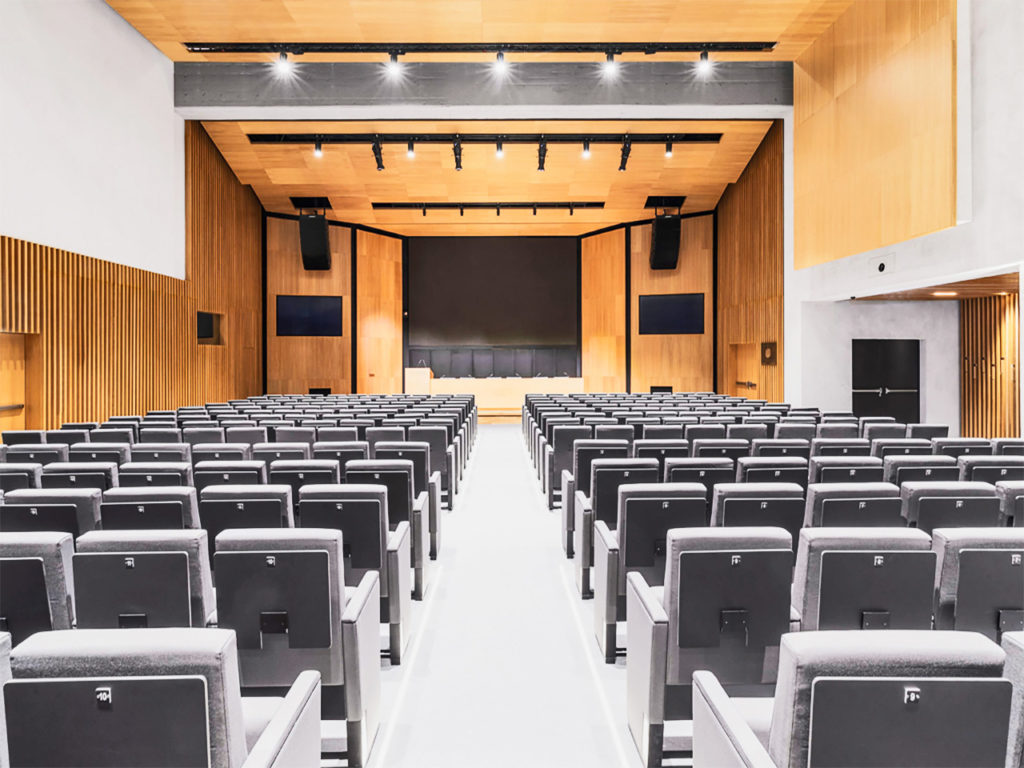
(296,363)
(751,273)
(989,377)
(603,311)
(875,129)
(12,381)
(104,339)
(684,362)
(378,313)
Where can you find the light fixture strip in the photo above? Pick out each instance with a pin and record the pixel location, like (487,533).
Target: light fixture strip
(648,49)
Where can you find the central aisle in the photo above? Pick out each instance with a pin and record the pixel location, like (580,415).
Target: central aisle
(503,672)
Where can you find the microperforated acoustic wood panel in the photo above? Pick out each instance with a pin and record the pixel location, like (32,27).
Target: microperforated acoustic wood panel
(103,339)
(990,372)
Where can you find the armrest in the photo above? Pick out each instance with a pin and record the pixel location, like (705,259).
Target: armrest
(292,737)
(606,588)
(360,636)
(547,457)
(721,737)
(568,493)
(420,534)
(399,565)
(646,667)
(583,529)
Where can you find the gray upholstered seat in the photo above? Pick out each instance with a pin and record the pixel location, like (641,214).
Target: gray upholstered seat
(86,502)
(299,472)
(777,504)
(899,446)
(119,453)
(295,435)
(54,550)
(229,473)
(842,430)
(134,474)
(899,468)
(991,469)
(865,494)
(162,452)
(22,436)
(80,474)
(927,431)
(795,431)
(237,451)
(37,453)
(337,434)
(275,451)
(1010,493)
(935,504)
(249,435)
(891,430)
(746,431)
(844,469)
(195,435)
(705,448)
(840,446)
(771,469)
(1008,446)
(1013,645)
(20,474)
(780,447)
(341,450)
(185,496)
(962,446)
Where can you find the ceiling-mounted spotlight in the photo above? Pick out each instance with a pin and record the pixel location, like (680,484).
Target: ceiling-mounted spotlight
(626,146)
(410,150)
(318,149)
(586,148)
(499,149)
(704,65)
(457,151)
(284,66)
(570,209)
(497,210)
(610,67)
(500,66)
(462,210)
(668,149)
(377,155)
(424,210)
(393,66)
(535,210)
(542,153)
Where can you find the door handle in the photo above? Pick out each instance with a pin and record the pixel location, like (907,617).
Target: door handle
(869,391)
(887,391)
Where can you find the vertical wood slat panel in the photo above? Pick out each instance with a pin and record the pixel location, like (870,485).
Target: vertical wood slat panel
(990,350)
(104,339)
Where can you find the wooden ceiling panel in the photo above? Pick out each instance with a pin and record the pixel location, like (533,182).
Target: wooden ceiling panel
(793,24)
(994,285)
(347,173)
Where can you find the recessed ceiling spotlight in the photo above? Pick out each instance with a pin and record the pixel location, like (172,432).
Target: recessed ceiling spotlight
(704,64)
(500,66)
(318,150)
(393,67)
(499,149)
(410,150)
(668,149)
(586,148)
(284,67)
(610,67)
(944,294)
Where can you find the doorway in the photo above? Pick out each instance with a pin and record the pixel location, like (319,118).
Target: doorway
(887,378)
(745,366)
(12,381)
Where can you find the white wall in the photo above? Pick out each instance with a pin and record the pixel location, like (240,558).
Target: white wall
(92,153)
(829,330)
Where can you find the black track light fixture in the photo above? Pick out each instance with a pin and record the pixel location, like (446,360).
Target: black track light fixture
(668,149)
(457,151)
(377,154)
(499,149)
(704,64)
(586,148)
(410,150)
(318,149)
(542,153)
(626,147)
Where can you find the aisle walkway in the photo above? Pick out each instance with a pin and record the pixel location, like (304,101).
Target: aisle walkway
(504,672)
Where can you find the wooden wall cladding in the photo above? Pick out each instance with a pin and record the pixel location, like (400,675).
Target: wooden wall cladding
(296,363)
(990,375)
(603,311)
(684,362)
(875,129)
(751,273)
(103,339)
(379,360)
(12,381)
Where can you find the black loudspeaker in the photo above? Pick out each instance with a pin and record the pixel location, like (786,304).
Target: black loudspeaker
(665,242)
(314,241)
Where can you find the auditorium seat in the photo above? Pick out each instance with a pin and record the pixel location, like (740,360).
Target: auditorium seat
(336,434)
(229,473)
(794,431)
(423,481)
(900,468)
(865,421)
(856,505)
(704,432)
(149,507)
(863,578)
(143,578)
(1013,645)
(663,432)
(991,469)
(269,452)
(79,474)
(37,453)
(837,431)
(927,431)
(900,446)
(645,512)
(1008,446)
(59,678)
(135,474)
(771,469)
(73,510)
(20,474)
(851,693)
(934,504)
(161,434)
(962,446)
(1011,509)
(295,435)
(707,472)
(298,472)
(727,616)
(162,452)
(584,452)
(778,504)
(37,588)
(67,436)
(194,435)
(844,469)
(221,452)
(615,432)
(889,430)
(556,457)
(113,434)
(840,446)
(119,453)
(280,590)
(21,436)
(780,447)
(707,448)
(661,450)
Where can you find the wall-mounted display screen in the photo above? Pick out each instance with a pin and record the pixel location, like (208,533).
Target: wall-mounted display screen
(309,316)
(672,313)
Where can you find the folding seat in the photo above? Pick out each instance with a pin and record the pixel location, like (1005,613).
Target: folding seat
(838,417)
(72,510)
(37,453)
(149,508)
(771,469)
(87,426)
(143,578)
(837,431)
(176,452)
(718,419)
(661,450)
(864,421)
(221,452)
(79,474)
(584,452)
(37,591)
(855,504)
(979,586)
(360,424)
(360,512)
(196,435)
(704,432)
(295,435)
(724,608)
(707,472)
(281,591)
(897,698)
(746,432)
(274,424)
(337,434)
(397,476)
(639,423)
(775,504)
(645,512)
(795,431)
(222,507)
(707,448)
(67,436)
(250,435)
(1011,502)
(934,504)
(901,468)
(206,473)
(840,446)
(423,480)
(274,451)
(864,578)
(780,447)
(21,474)
(900,446)
(341,450)
(139,474)
(299,472)
(442,457)
(199,423)
(152,696)
(991,469)
(844,469)
(662,432)
(23,436)
(557,457)
(893,430)
(1013,645)
(615,432)
(927,431)
(118,453)
(606,476)
(1008,446)
(962,446)
(109,434)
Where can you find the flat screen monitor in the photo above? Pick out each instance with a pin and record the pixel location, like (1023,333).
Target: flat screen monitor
(204,325)
(309,316)
(672,313)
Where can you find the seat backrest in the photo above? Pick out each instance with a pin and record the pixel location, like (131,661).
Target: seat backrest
(39,453)
(375,435)
(615,432)
(193,435)
(341,451)
(962,446)
(136,474)
(853,504)
(295,435)
(19,590)
(716,448)
(147,501)
(607,475)
(927,431)
(21,436)
(780,447)
(586,451)
(274,451)
(934,504)
(795,431)
(746,431)
(80,474)
(159,434)
(991,469)
(109,657)
(436,438)
(900,468)
(16,475)
(900,446)
(86,502)
(1013,645)
(704,432)
(886,430)
(67,436)
(300,472)
(771,469)
(843,430)
(105,592)
(663,432)
(248,434)
(417,453)
(844,469)
(221,452)
(396,475)
(360,512)
(229,473)
(1011,502)
(775,504)
(162,452)
(840,446)
(805,657)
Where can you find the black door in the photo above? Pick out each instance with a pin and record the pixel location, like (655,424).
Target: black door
(887,378)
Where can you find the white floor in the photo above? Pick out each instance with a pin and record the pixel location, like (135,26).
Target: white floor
(503,669)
